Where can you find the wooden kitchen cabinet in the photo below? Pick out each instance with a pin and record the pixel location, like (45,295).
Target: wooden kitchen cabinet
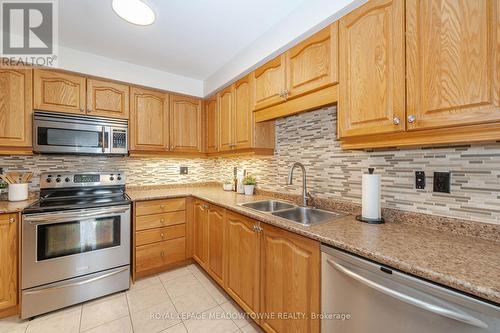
(107,99)
(15,109)
(226,119)
(159,236)
(242,280)
(211,125)
(216,236)
(453,74)
(149,123)
(200,234)
(185,124)
(372,69)
(243,114)
(269,82)
(59,92)
(313,63)
(290,280)
(9,226)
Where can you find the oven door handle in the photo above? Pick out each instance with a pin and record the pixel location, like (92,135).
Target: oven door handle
(65,217)
(75,284)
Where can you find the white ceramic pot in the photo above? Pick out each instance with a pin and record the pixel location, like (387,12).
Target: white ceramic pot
(18,192)
(249,189)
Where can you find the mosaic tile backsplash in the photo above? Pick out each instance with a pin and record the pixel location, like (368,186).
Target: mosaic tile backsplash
(331,172)
(334,173)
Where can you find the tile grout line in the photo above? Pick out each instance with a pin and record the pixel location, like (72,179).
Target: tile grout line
(129,313)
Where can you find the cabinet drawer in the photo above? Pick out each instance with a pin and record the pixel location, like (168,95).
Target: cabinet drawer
(160,220)
(159,206)
(160,254)
(159,234)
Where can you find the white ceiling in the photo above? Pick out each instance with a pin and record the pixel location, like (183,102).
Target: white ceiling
(190,38)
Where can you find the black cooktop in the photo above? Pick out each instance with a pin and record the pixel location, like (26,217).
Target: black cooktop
(78,198)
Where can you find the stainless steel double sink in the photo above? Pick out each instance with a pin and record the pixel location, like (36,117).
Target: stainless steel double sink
(303,215)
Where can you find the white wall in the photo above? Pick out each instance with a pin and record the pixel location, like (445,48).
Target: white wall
(91,64)
(307,19)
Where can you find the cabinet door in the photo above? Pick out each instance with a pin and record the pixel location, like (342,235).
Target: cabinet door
(226,119)
(107,99)
(243,261)
(200,252)
(313,63)
(372,69)
(59,92)
(216,230)
(290,280)
(269,83)
(185,124)
(243,114)
(15,107)
(8,258)
(148,120)
(453,58)
(212,125)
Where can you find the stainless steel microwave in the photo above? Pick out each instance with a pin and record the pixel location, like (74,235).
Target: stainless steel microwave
(58,133)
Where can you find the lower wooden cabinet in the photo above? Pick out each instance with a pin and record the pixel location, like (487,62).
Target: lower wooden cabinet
(159,235)
(290,281)
(9,224)
(243,261)
(200,250)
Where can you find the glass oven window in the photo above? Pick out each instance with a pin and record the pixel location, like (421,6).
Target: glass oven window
(62,239)
(71,138)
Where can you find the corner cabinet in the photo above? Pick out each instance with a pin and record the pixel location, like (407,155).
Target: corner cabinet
(16,109)
(149,123)
(107,99)
(9,228)
(211,125)
(59,92)
(185,124)
(372,69)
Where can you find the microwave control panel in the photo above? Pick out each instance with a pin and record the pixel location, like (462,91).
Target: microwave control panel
(119,138)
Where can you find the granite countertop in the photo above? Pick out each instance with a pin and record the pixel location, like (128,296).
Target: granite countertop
(7,207)
(468,264)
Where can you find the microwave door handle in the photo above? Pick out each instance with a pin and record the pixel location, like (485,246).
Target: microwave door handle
(434,308)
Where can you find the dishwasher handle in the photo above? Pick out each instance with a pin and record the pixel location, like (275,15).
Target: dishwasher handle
(463,317)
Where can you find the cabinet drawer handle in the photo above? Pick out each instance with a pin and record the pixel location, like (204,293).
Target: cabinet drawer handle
(162,235)
(12,220)
(162,206)
(396,121)
(411,118)
(82,110)
(89,110)
(162,220)
(162,254)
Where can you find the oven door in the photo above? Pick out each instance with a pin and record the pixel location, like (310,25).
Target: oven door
(66,137)
(67,244)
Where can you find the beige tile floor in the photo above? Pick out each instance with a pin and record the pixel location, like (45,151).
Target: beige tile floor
(178,301)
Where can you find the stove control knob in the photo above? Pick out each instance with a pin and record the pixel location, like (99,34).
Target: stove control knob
(119,178)
(58,179)
(67,180)
(111,178)
(49,180)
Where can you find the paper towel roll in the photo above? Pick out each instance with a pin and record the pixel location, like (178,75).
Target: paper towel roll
(370,187)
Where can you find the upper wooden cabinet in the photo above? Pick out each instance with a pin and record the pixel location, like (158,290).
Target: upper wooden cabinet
(453,59)
(243,115)
(242,280)
(211,125)
(372,69)
(9,258)
(59,92)
(313,63)
(148,120)
(107,99)
(15,107)
(290,265)
(226,119)
(269,83)
(185,124)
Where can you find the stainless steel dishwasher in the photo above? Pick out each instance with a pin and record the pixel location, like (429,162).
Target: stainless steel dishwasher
(359,296)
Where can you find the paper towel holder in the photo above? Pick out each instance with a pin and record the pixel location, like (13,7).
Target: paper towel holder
(368,220)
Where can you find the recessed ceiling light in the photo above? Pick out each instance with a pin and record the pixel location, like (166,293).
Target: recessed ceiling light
(134,11)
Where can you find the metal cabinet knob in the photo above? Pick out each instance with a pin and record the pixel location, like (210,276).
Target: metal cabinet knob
(89,110)
(396,121)
(411,118)
(82,110)
(12,220)
(162,220)
(162,254)
(162,235)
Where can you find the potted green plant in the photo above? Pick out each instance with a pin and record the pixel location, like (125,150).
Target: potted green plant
(249,183)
